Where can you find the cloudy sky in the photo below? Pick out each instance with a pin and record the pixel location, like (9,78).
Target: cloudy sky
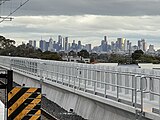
(85,20)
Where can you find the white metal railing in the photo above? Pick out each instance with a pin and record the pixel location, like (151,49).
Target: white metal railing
(137,87)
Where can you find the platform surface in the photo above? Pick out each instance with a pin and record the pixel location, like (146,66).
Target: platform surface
(1,111)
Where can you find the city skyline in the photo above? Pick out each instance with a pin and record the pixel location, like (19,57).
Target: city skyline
(86,20)
(63,43)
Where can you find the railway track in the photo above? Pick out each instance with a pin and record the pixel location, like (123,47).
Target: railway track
(48,115)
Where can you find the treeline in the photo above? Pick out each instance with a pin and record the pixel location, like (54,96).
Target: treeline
(8,48)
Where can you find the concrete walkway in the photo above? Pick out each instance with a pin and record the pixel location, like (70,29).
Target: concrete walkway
(1,111)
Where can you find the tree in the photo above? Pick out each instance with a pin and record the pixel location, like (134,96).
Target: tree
(137,54)
(83,53)
(72,53)
(6,43)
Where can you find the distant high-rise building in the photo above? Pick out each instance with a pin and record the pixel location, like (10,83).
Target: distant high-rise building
(69,46)
(50,45)
(104,44)
(79,45)
(59,39)
(88,47)
(42,45)
(106,39)
(120,42)
(34,44)
(66,44)
(74,45)
(47,46)
(125,46)
(151,49)
(113,46)
(142,45)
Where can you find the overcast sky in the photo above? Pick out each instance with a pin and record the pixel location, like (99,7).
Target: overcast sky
(85,20)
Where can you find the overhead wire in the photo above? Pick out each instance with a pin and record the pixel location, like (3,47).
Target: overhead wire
(3,1)
(12,12)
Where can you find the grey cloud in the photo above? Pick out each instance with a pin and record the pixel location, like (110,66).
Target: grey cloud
(88,28)
(95,7)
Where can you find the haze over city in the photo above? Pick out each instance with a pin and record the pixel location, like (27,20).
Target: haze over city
(85,20)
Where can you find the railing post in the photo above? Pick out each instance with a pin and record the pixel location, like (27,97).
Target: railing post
(135,90)
(52,76)
(141,90)
(62,79)
(117,88)
(74,82)
(85,84)
(133,87)
(105,90)
(94,87)
(41,78)
(69,80)
(57,77)
(79,83)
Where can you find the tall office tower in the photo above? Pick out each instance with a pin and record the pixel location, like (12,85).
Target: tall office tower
(50,45)
(47,46)
(66,43)
(104,45)
(120,42)
(34,44)
(79,45)
(59,39)
(69,46)
(59,46)
(151,49)
(113,46)
(125,46)
(130,48)
(128,43)
(144,44)
(140,45)
(106,39)
(42,45)
(73,45)
(54,46)
(88,47)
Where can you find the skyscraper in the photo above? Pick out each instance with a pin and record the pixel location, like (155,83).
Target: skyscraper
(88,47)
(34,44)
(142,45)
(120,42)
(79,45)
(106,39)
(66,43)
(42,45)
(50,45)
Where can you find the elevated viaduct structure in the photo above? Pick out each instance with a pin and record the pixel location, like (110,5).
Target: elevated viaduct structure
(94,92)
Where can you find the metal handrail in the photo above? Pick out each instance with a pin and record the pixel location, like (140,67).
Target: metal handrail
(79,80)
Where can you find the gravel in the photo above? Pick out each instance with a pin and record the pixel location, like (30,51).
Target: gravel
(58,111)
(50,107)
